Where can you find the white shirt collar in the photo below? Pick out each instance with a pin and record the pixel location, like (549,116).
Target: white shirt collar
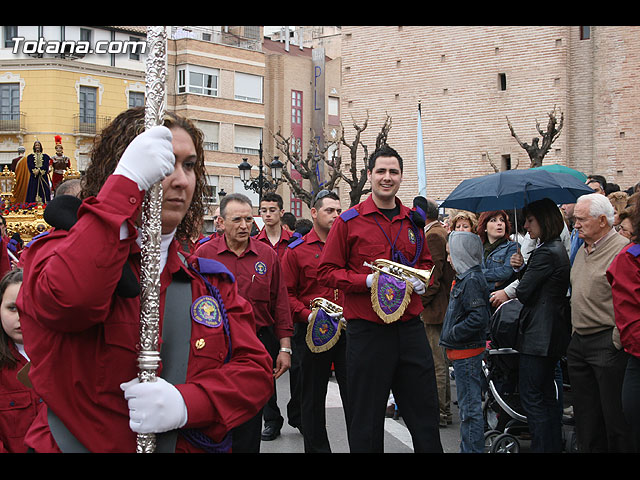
(165,241)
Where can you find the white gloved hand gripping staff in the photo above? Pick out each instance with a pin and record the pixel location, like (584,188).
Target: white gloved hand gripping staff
(149,157)
(154,407)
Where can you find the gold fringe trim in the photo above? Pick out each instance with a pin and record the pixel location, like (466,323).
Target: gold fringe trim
(309,337)
(389,318)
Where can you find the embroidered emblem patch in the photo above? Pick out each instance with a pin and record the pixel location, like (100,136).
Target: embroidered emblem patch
(390,296)
(206,311)
(261,268)
(323,331)
(412,237)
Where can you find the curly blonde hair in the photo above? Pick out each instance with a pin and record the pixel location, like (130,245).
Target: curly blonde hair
(618,200)
(464,215)
(111,143)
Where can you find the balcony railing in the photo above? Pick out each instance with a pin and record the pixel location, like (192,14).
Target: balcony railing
(12,122)
(214,36)
(90,126)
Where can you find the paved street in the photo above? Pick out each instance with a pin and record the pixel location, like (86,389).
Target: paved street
(397,438)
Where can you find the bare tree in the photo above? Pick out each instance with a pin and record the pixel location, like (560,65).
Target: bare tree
(535,150)
(308,166)
(356,177)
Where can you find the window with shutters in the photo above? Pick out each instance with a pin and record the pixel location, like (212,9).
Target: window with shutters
(247,139)
(88,102)
(248,87)
(136,99)
(9,102)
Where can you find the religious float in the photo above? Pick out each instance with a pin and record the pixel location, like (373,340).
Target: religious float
(26,219)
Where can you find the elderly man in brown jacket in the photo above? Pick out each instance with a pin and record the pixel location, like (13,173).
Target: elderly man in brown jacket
(435,301)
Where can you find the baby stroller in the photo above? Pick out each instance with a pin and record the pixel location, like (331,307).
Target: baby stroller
(505,422)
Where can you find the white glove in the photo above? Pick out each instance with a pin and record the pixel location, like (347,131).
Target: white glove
(418,285)
(370,276)
(369,280)
(149,157)
(154,407)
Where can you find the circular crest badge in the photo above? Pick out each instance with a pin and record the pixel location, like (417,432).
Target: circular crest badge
(261,268)
(412,237)
(206,311)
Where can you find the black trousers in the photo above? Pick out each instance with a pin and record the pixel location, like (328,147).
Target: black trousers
(383,358)
(295,375)
(271,412)
(631,397)
(596,372)
(315,375)
(246,438)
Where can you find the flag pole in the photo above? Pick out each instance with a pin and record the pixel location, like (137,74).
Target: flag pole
(422,171)
(155,102)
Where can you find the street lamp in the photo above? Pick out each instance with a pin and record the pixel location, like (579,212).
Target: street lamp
(261,184)
(276,168)
(245,171)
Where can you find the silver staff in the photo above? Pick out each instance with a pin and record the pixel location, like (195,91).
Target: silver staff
(149,356)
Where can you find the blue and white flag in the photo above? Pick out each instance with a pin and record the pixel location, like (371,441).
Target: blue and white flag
(422,170)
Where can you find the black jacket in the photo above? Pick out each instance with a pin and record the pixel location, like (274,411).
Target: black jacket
(545,322)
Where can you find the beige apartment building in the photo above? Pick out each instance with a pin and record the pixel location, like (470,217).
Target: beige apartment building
(470,79)
(215,77)
(240,88)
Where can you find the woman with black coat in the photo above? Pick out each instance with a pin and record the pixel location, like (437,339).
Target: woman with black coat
(544,324)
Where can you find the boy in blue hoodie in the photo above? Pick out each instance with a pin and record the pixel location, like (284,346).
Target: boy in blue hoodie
(464,334)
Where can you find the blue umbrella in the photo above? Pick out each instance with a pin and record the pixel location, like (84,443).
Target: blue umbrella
(515,189)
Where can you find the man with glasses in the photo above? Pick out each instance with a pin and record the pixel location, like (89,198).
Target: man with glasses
(300,265)
(258,274)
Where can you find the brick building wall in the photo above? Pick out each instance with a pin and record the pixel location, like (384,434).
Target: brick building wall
(604,97)
(455,73)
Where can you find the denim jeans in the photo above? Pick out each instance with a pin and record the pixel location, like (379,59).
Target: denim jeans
(469,380)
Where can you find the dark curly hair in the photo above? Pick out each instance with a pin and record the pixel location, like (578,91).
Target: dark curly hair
(111,143)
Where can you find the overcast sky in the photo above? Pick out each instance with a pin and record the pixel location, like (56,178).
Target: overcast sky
(270,30)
